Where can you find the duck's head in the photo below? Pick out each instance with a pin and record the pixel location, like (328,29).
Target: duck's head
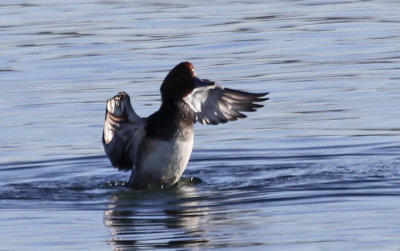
(180,82)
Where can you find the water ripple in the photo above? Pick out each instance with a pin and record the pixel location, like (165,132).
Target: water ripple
(317,168)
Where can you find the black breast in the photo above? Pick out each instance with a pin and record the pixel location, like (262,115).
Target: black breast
(170,122)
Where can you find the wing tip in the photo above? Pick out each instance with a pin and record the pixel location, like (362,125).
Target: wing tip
(262,94)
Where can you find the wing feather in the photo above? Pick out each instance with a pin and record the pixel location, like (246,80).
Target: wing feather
(123,131)
(215,104)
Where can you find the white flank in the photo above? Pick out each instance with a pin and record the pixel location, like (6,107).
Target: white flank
(163,162)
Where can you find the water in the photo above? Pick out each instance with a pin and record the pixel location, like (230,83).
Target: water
(316,169)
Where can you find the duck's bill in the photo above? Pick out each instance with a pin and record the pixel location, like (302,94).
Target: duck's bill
(202,82)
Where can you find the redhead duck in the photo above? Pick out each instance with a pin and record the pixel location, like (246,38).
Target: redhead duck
(157,148)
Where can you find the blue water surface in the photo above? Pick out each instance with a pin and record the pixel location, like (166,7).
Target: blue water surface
(317,168)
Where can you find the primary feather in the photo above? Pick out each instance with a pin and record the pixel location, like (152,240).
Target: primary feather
(215,104)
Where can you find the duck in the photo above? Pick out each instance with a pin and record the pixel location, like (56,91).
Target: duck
(157,149)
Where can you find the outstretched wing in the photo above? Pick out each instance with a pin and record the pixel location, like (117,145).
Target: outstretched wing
(123,132)
(215,104)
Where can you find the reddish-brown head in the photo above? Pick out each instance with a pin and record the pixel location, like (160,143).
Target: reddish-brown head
(179,82)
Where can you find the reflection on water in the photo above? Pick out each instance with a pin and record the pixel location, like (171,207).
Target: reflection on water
(317,168)
(157,219)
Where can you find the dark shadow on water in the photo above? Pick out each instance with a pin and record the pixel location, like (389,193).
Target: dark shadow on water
(152,219)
